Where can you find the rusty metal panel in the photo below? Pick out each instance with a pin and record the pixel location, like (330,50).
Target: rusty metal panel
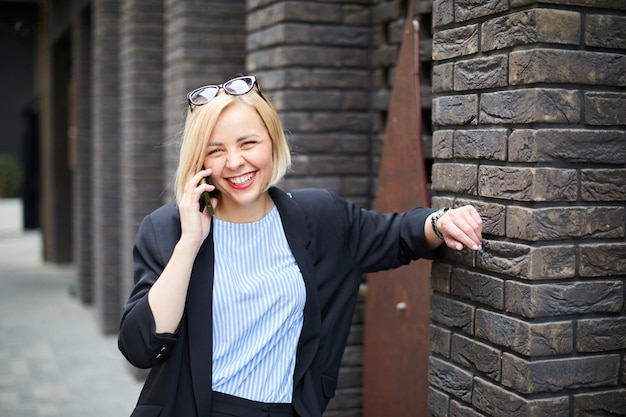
(396,345)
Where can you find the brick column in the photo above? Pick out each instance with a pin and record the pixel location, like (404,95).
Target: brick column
(529,126)
(312,60)
(82,180)
(204,44)
(141,127)
(105,216)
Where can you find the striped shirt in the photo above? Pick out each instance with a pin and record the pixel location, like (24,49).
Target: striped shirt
(258,304)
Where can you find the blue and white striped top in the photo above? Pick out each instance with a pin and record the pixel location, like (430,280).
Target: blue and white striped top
(258,305)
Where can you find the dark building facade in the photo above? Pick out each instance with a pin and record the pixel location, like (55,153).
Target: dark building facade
(524,115)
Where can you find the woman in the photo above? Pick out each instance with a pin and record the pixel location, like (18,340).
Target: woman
(246,312)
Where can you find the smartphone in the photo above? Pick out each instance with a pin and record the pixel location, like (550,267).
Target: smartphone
(205,201)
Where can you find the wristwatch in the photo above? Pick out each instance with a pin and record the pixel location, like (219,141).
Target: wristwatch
(433,221)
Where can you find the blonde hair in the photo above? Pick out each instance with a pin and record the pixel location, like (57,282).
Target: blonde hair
(200,123)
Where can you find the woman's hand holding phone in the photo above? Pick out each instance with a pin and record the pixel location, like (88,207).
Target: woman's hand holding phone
(195,224)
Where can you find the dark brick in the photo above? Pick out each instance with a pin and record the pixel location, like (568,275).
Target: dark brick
(603,184)
(602,259)
(499,402)
(529,27)
(339,165)
(604,403)
(313,12)
(440,277)
(607,109)
(555,375)
(550,407)
(386,11)
(528,184)
(450,379)
(279,34)
(470,9)
(460,178)
(573,67)
(350,377)
(338,143)
(443,12)
(533,105)
(571,145)
(565,223)
(599,335)
(356,14)
(553,300)
(452,43)
(478,287)
(481,144)
(443,78)
(605,31)
(481,73)
(455,110)
(438,403)
(476,356)
(329,122)
(440,340)
(505,258)
(458,409)
(452,313)
(552,262)
(528,339)
(302,99)
(443,144)
(385,55)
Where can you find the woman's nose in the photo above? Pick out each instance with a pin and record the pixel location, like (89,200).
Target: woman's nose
(234,160)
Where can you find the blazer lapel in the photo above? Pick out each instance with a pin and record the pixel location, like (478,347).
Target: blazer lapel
(301,239)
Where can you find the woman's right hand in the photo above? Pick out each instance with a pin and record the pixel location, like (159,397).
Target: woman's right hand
(195,225)
(168,294)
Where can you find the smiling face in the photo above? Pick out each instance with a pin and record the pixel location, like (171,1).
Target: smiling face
(240,153)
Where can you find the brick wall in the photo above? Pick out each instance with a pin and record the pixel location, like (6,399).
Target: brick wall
(529,127)
(105,163)
(312,60)
(204,44)
(81,151)
(141,125)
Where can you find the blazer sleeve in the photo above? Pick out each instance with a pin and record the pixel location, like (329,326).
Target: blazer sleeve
(380,241)
(376,241)
(137,339)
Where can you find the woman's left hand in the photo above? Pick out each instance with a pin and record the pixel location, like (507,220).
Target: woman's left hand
(460,227)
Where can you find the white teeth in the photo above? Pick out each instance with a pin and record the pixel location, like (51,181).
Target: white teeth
(242,179)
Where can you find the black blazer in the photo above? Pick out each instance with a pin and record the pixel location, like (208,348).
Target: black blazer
(333,241)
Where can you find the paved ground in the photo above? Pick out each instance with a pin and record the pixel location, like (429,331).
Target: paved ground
(53,359)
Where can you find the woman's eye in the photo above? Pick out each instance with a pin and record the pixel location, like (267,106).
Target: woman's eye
(213,151)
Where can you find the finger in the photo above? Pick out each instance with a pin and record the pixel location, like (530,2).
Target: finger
(456,239)
(461,227)
(472,229)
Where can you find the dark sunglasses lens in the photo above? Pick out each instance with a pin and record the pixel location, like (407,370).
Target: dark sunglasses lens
(239,85)
(204,95)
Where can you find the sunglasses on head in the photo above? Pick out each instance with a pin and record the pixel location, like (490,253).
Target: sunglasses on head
(234,87)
